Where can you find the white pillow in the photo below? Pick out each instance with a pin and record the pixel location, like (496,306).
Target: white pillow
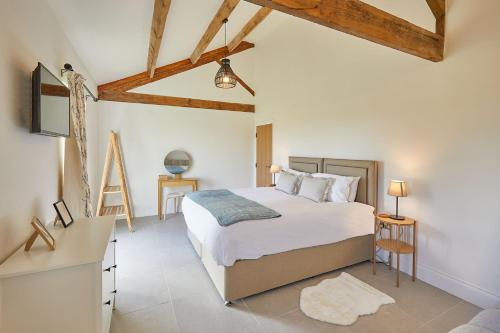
(287,182)
(354,189)
(300,175)
(340,189)
(314,188)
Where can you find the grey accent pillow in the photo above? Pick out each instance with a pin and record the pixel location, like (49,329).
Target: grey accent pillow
(287,182)
(300,175)
(314,188)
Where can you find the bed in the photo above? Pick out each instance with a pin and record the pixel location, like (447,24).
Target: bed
(254,256)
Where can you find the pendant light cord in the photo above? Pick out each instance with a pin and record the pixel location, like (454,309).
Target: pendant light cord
(225,36)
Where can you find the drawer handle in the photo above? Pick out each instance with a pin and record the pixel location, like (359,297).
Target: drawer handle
(108,303)
(114,291)
(114,241)
(109,268)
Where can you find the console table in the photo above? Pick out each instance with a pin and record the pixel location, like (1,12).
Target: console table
(166,181)
(71,289)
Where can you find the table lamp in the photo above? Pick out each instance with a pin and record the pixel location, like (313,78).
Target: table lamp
(274,170)
(397,188)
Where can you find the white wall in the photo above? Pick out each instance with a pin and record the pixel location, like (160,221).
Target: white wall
(30,165)
(219,142)
(437,125)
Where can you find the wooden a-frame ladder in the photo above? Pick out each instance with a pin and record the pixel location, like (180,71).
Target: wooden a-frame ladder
(114,153)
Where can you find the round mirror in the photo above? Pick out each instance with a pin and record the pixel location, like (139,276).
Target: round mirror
(177,162)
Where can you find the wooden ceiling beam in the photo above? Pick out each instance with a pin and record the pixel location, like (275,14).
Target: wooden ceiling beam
(248,28)
(357,18)
(299,4)
(240,81)
(160,13)
(438,8)
(129,97)
(213,28)
(143,78)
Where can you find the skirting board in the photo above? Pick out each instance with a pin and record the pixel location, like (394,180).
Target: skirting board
(460,288)
(465,290)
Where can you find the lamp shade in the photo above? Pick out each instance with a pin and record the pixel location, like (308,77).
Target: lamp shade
(398,188)
(275,168)
(225,77)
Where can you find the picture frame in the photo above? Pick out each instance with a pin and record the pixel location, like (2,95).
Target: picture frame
(41,231)
(63,213)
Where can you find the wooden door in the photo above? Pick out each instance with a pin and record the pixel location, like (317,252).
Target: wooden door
(264,154)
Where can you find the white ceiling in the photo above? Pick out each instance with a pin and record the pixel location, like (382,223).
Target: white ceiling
(112,36)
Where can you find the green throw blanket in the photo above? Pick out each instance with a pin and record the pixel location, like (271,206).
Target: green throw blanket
(229,208)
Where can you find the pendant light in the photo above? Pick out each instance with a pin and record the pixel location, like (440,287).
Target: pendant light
(225,77)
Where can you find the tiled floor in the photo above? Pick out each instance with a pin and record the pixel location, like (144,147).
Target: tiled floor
(163,287)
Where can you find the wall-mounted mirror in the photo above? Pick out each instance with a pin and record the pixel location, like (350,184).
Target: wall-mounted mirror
(50,111)
(177,162)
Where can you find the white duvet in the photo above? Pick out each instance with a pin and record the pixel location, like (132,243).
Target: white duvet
(304,223)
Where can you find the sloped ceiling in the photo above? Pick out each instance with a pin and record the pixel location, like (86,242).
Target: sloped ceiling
(112,36)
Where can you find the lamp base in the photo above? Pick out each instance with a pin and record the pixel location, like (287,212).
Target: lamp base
(397,217)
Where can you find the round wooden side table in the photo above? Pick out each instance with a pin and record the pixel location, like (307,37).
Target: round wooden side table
(402,240)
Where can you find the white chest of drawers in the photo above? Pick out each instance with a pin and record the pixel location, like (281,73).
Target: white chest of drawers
(69,290)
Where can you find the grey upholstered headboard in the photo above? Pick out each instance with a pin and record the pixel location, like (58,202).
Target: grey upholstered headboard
(367,170)
(306,164)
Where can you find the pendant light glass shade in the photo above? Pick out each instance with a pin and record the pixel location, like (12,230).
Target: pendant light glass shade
(225,77)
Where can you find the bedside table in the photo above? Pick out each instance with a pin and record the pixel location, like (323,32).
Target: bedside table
(402,237)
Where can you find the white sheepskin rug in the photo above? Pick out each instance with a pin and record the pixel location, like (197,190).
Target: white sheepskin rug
(341,300)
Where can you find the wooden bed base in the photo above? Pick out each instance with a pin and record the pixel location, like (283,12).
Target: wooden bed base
(250,277)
